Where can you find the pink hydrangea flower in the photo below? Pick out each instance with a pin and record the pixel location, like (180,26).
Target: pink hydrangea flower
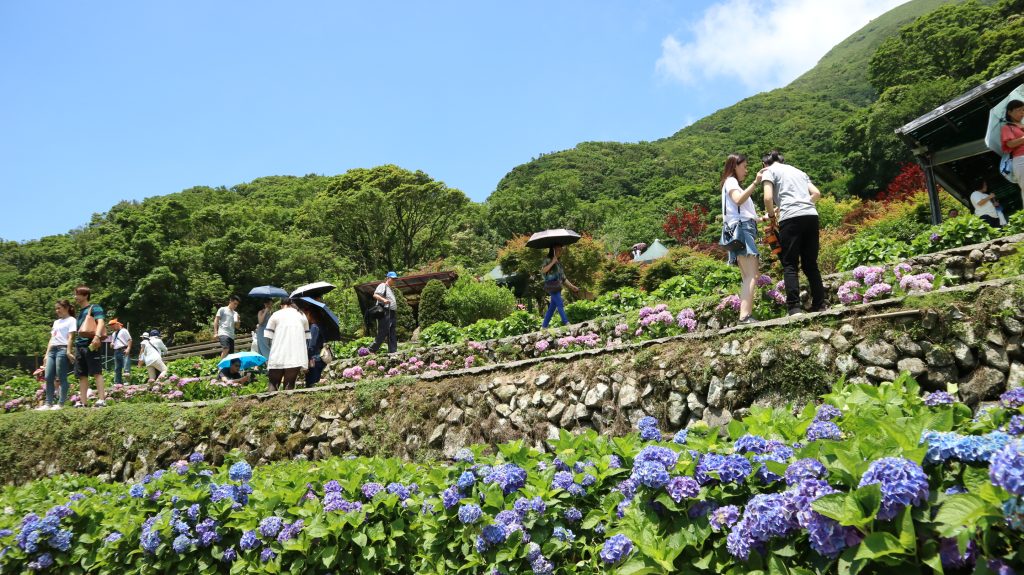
(541,345)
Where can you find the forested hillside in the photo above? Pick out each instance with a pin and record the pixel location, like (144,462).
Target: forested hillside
(836,122)
(169,261)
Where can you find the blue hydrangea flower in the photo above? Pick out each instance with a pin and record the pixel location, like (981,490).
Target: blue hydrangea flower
(980,448)
(61,541)
(956,490)
(941,445)
(181,543)
(466,481)
(464,455)
(651,473)
(331,486)
(196,457)
(563,534)
(60,511)
(614,462)
(588,480)
(450,497)
(562,480)
(229,555)
(510,477)
(680,437)
(615,549)
(827,412)
(469,513)
(240,471)
(494,534)
(573,515)
(724,468)
(537,505)
(766,516)
(402,491)
(267,554)
(650,434)
(646,421)
(751,444)
(1013,510)
(1016,425)
(150,538)
(724,517)
(682,487)
(41,563)
(949,553)
(663,455)
(114,537)
(541,566)
(137,491)
(271,526)
(576,490)
(827,537)
(249,541)
(903,483)
(1006,469)
(823,430)
(937,398)
(508,517)
(335,502)
(999,567)
(779,453)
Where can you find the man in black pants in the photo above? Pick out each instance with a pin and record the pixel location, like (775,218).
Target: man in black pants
(789,198)
(386,324)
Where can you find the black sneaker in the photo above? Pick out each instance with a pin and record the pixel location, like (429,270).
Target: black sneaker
(795,311)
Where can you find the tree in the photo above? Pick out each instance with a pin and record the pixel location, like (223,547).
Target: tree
(406,321)
(686,226)
(433,308)
(582,263)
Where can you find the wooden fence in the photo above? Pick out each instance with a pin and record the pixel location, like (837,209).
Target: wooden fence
(204,348)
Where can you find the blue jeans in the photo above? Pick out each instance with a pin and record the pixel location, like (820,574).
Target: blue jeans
(57,366)
(556,303)
(122,364)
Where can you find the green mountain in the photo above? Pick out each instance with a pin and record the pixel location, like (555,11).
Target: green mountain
(829,122)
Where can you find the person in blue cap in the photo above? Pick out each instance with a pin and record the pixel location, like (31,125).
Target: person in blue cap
(386,324)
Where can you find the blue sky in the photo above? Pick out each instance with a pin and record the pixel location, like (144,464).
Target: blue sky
(103,102)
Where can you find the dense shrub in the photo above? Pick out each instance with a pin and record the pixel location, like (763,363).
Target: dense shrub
(582,310)
(832,211)
(952,233)
(184,336)
(483,330)
(1015,224)
(870,249)
(616,274)
(441,333)
(472,300)
(405,319)
(876,479)
(432,307)
(519,322)
(656,272)
(678,287)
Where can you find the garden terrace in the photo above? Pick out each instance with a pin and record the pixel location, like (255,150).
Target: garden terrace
(968,336)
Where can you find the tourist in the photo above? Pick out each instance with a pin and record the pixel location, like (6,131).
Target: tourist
(738,210)
(789,198)
(58,350)
(91,328)
(1012,137)
(984,203)
(233,374)
(554,279)
(121,342)
(224,324)
(314,346)
(152,354)
(387,327)
(288,331)
(262,317)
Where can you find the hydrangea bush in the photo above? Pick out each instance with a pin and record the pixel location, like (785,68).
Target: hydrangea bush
(907,484)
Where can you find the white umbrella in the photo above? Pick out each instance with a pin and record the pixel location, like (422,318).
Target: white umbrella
(312,290)
(997,119)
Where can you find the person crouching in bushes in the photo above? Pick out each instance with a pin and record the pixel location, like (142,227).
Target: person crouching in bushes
(554,279)
(233,374)
(738,210)
(152,354)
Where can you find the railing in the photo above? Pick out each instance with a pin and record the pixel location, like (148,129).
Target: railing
(204,348)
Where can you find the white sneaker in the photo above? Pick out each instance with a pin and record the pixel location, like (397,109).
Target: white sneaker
(56,407)
(100,403)
(43,407)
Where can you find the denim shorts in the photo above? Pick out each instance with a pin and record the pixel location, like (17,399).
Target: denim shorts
(748,234)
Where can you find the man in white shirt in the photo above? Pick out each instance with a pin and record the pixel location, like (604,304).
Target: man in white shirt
(224,324)
(386,325)
(121,341)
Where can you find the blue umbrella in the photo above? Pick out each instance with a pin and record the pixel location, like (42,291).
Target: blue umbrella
(249,359)
(267,292)
(329,324)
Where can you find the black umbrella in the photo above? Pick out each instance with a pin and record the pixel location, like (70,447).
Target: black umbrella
(329,324)
(312,290)
(548,238)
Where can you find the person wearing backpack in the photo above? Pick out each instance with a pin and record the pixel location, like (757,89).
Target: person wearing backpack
(87,359)
(1012,137)
(387,323)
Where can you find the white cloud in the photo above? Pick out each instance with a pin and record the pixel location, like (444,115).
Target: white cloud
(764,45)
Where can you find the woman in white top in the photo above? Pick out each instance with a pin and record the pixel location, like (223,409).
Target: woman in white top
(288,330)
(58,352)
(738,209)
(152,354)
(984,203)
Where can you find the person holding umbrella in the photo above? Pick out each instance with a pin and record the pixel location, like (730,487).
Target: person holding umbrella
(386,325)
(1012,138)
(234,367)
(554,279)
(314,345)
(267,293)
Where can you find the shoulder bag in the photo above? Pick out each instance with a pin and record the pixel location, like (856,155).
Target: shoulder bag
(88,328)
(730,239)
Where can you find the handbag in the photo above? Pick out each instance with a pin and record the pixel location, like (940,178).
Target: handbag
(88,328)
(374,311)
(553,286)
(1006,168)
(327,354)
(730,239)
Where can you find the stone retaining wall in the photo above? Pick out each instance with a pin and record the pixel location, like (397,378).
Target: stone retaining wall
(972,339)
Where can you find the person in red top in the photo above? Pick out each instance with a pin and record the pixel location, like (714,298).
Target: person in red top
(1012,137)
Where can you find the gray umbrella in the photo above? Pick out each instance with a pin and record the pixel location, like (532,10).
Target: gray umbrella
(548,238)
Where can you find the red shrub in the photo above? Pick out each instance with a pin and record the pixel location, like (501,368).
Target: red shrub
(908,182)
(686,226)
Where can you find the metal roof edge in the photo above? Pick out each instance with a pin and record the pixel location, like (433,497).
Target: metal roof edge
(962,99)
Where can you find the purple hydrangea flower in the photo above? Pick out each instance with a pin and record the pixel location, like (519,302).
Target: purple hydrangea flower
(1016,425)
(823,430)
(114,537)
(949,553)
(766,516)
(573,515)
(615,549)
(663,455)
(562,480)
(827,412)
(181,543)
(804,469)
(724,468)
(469,513)
(333,501)
(650,473)
(271,526)
(450,497)
(229,555)
(510,477)
(267,554)
(249,541)
(903,483)
(682,487)
(371,489)
(724,517)
(1012,399)
(563,534)
(936,398)
(464,455)
(751,444)
(196,457)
